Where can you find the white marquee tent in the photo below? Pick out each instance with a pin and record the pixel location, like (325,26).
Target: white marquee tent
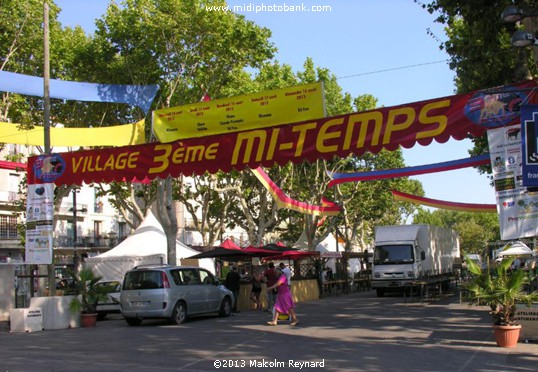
(515,249)
(147,245)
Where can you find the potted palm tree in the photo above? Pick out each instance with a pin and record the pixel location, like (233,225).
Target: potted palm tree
(501,289)
(86,296)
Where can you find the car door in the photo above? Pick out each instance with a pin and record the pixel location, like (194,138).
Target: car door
(192,290)
(212,295)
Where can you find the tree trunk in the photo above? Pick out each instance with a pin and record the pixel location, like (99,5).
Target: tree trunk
(166,215)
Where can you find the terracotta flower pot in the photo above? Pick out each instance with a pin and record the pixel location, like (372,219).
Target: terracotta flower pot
(507,335)
(88,320)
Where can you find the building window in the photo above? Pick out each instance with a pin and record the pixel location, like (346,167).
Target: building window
(13,187)
(122,230)
(98,206)
(8,227)
(97,233)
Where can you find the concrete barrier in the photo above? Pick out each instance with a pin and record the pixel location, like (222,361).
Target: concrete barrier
(528,318)
(7,290)
(56,313)
(26,320)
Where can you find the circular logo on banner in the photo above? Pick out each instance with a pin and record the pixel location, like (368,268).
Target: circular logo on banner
(493,110)
(49,167)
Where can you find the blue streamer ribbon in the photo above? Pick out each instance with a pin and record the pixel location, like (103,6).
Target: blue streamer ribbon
(137,95)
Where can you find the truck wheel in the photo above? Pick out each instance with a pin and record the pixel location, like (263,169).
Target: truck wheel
(380,292)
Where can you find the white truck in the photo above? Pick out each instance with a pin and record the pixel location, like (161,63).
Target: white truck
(406,253)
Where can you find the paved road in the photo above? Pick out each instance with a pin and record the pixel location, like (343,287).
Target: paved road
(356,332)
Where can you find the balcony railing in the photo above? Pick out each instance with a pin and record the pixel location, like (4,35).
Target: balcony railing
(67,208)
(84,241)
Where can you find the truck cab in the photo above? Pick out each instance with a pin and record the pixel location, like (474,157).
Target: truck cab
(395,264)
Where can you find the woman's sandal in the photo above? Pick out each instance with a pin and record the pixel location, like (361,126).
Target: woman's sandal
(294,323)
(271,323)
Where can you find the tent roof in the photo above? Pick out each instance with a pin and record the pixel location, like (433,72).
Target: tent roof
(329,244)
(221,252)
(229,244)
(292,255)
(277,248)
(301,243)
(516,249)
(249,251)
(148,239)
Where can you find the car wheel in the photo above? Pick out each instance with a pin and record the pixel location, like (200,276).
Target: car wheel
(179,316)
(101,316)
(226,307)
(133,321)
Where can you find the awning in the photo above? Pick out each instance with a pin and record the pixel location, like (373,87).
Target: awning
(292,255)
(220,252)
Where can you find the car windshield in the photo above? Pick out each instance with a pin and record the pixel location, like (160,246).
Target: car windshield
(393,254)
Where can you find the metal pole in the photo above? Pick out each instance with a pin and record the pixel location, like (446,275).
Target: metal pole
(46,78)
(75,237)
(46,123)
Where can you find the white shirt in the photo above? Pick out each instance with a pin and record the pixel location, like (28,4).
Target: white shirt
(286,271)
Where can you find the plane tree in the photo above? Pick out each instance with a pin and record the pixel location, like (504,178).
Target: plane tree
(364,203)
(186,49)
(478,45)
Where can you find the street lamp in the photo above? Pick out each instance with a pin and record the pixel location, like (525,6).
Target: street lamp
(523,39)
(520,38)
(512,14)
(75,210)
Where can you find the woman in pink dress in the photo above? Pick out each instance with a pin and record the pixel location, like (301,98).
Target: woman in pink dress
(284,301)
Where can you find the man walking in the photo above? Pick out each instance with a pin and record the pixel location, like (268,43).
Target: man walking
(232,282)
(270,279)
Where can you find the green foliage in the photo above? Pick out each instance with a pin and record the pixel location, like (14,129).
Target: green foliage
(479,48)
(188,51)
(500,289)
(178,44)
(86,293)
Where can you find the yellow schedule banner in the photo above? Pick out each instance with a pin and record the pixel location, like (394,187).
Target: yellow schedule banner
(239,113)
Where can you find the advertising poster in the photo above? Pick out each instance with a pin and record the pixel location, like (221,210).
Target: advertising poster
(517,207)
(529,133)
(39,224)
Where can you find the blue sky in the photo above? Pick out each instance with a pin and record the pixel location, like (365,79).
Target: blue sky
(368,45)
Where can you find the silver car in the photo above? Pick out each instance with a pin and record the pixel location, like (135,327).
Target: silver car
(172,292)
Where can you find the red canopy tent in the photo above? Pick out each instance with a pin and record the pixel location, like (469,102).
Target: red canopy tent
(229,244)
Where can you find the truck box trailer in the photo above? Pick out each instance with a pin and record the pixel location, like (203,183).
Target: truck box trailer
(404,254)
